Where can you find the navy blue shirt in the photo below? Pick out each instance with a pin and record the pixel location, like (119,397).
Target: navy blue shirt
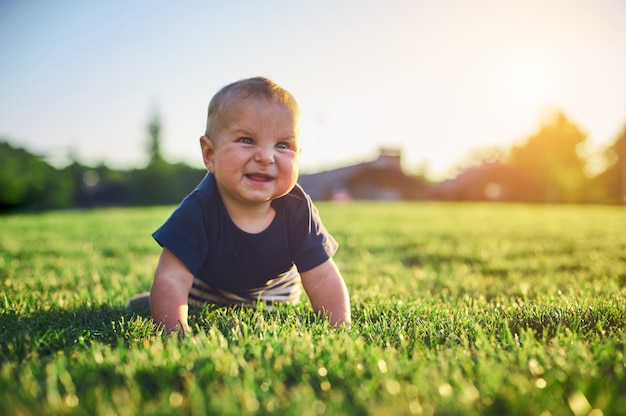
(202,235)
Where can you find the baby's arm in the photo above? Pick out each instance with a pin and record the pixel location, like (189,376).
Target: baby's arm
(170,292)
(328,292)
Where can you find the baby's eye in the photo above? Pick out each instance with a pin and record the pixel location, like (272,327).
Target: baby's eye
(245,140)
(284,145)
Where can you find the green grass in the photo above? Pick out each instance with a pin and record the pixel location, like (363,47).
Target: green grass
(457,309)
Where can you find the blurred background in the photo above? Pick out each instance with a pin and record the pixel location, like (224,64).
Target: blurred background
(103,103)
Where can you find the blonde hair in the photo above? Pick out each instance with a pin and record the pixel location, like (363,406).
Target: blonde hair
(257,87)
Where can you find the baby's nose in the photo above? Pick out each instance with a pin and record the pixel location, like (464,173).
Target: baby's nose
(265,155)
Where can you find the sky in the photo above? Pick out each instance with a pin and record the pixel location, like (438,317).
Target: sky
(438,80)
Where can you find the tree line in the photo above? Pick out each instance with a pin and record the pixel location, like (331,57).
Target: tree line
(553,165)
(29,183)
(552,158)
(555,158)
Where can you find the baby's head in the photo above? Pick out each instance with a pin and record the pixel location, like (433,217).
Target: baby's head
(251,142)
(257,87)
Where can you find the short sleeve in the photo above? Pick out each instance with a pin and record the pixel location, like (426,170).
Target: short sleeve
(185,233)
(313,244)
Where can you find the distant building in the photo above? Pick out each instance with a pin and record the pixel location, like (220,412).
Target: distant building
(380,179)
(490,182)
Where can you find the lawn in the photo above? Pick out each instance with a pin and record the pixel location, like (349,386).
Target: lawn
(465,309)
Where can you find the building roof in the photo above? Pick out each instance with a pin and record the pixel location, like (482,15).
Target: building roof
(382,178)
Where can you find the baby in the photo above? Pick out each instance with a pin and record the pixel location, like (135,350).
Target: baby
(248,233)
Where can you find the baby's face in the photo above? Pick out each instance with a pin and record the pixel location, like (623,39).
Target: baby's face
(254,156)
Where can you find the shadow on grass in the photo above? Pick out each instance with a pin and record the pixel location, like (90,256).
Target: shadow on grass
(45,332)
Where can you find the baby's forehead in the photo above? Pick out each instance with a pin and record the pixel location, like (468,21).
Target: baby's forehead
(235,108)
(236,102)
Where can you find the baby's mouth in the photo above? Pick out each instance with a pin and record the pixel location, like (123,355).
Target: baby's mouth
(259,177)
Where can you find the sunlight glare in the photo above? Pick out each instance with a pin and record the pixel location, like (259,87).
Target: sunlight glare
(531,83)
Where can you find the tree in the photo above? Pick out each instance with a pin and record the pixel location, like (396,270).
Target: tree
(154,140)
(27,181)
(161,182)
(552,158)
(613,179)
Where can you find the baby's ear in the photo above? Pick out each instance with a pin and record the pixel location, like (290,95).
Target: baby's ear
(208,151)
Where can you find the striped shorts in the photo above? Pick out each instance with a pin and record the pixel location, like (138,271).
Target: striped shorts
(286,288)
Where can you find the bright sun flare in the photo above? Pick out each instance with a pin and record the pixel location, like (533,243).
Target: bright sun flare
(531,83)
